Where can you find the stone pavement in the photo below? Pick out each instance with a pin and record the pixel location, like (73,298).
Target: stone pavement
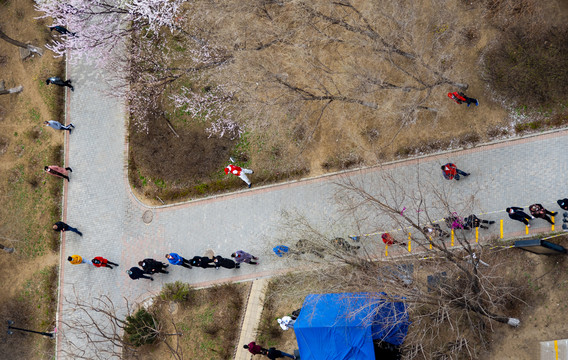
(100,204)
(255,305)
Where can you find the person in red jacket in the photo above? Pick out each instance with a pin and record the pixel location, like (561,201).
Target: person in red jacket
(255,349)
(460,98)
(102,262)
(240,172)
(452,172)
(58,171)
(389,240)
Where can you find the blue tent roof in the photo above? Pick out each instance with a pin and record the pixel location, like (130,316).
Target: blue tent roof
(343,326)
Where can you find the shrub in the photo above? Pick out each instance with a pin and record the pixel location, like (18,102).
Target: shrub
(178,292)
(531,68)
(141,328)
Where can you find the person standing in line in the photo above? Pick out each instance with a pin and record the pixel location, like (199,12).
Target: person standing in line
(435,231)
(242,256)
(175,259)
(58,171)
(57,81)
(281,250)
(255,349)
(452,172)
(538,211)
(473,221)
(59,126)
(202,262)
(460,98)
(563,203)
(152,266)
(76,259)
(274,354)
(220,261)
(517,213)
(240,172)
(136,273)
(389,240)
(102,262)
(61,226)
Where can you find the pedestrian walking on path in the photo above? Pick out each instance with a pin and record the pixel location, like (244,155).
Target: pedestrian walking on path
(202,262)
(61,29)
(220,261)
(102,262)
(389,240)
(286,322)
(517,213)
(58,171)
(76,259)
(461,98)
(57,81)
(473,221)
(255,349)
(242,256)
(136,273)
(61,226)
(59,126)
(451,172)
(175,259)
(538,211)
(240,172)
(152,266)
(276,354)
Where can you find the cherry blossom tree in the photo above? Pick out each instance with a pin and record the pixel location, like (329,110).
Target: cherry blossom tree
(101,25)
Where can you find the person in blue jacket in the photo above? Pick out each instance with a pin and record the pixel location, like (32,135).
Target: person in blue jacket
(176,259)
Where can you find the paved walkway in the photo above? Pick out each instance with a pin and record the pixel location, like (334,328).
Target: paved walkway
(100,204)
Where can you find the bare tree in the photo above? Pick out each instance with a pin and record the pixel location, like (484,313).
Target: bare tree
(31,48)
(443,285)
(100,332)
(14,90)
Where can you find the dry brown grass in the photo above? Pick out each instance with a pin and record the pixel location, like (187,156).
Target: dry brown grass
(209,320)
(30,201)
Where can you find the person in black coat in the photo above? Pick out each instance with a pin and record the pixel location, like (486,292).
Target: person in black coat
(517,213)
(473,221)
(61,29)
(152,266)
(201,261)
(137,273)
(220,261)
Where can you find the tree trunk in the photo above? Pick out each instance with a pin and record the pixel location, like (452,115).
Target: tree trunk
(31,48)
(15,90)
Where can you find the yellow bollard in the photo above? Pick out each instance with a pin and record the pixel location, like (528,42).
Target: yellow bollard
(476,234)
(526,230)
(430,242)
(386,250)
(552,227)
(452,237)
(409,240)
(501,227)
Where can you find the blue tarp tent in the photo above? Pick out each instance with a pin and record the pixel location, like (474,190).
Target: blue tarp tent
(343,326)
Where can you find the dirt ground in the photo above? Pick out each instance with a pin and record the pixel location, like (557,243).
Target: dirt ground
(310,138)
(540,309)
(30,200)
(208,321)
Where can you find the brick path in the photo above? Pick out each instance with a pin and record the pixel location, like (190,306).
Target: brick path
(100,204)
